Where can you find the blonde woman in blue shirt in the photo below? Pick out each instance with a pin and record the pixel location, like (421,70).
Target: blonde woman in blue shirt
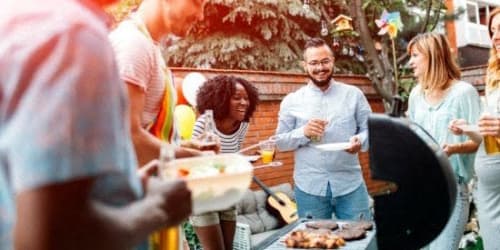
(439,98)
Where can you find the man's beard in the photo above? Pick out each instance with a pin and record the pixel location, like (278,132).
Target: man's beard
(323,82)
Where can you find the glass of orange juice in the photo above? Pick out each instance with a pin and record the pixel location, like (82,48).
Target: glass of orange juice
(267,151)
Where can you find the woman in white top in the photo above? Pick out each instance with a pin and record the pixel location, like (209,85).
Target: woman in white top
(487,166)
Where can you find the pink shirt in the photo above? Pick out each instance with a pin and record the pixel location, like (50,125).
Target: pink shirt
(140,63)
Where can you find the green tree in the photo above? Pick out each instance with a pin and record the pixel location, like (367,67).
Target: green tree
(122,9)
(270,34)
(247,34)
(417,16)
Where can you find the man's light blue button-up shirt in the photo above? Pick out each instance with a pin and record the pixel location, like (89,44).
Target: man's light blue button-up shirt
(346,109)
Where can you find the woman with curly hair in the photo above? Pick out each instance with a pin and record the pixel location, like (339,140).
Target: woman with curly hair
(233,101)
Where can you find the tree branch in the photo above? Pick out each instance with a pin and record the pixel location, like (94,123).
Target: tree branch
(379,74)
(402,58)
(438,15)
(423,28)
(325,14)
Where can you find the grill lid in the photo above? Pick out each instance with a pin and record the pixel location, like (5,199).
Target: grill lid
(406,156)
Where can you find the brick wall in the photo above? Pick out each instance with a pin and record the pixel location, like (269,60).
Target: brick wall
(476,76)
(273,86)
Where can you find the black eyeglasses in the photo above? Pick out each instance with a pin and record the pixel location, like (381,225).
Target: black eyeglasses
(324,62)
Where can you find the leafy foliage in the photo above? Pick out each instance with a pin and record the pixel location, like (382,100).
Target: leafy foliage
(247,34)
(192,239)
(270,34)
(417,16)
(121,10)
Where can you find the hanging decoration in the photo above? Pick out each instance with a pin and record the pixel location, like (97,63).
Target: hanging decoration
(342,23)
(336,44)
(306,5)
(345,38)
(324,28)
(389,23)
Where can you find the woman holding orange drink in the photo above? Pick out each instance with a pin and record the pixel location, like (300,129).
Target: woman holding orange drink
(233,101)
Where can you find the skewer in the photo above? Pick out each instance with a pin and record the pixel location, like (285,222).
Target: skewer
(271,164)
(248,148)
(272,138)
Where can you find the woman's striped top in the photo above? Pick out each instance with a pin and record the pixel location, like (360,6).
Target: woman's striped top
(229,143)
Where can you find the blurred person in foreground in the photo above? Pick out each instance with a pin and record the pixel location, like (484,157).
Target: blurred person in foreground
(326,111)
(487,166)
(67,166)
(439,98)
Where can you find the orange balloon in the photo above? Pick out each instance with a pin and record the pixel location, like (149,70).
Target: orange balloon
(180,96)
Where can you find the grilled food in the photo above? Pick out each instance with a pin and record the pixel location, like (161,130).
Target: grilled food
(322,224)
(309,238)
(365,225)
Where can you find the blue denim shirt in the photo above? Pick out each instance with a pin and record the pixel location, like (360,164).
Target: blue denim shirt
(346,109)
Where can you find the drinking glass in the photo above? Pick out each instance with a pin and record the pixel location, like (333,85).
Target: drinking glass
(320,114)
(492,143)
(267,149)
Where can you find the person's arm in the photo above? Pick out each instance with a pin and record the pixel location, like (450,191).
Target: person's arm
(147,146)
(469,108)
(63,216)
(456,126)
(359,142)
(288,135)
(467,147)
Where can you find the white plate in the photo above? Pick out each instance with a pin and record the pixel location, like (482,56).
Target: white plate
(333,146)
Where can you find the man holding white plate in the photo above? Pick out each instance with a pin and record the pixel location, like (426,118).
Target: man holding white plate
(326,124)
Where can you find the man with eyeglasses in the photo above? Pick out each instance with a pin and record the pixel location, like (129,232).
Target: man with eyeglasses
(322,112)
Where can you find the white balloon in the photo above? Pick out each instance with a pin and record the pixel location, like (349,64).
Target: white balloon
(191,85)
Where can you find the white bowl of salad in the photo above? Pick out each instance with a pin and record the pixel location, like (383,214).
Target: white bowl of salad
(217,182)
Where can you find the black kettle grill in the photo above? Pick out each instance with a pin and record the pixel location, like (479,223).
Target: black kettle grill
(417,210)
